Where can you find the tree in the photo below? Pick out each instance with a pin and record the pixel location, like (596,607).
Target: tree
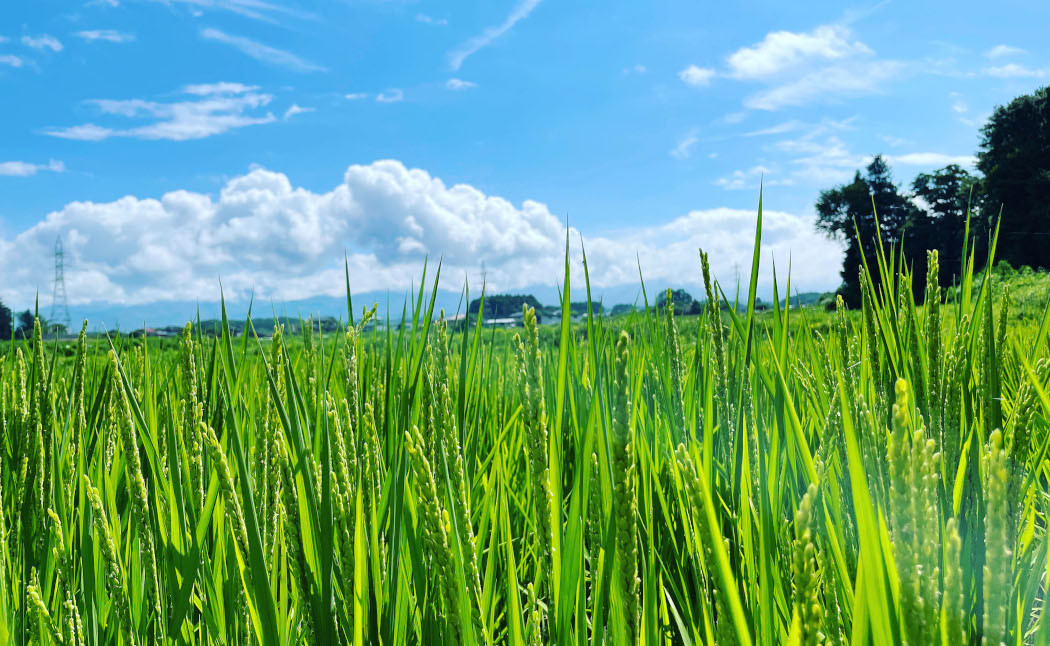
(947,196)
(26,320)
(682,300)
(848,213)
(1014,156)
(6,322)
(503,305)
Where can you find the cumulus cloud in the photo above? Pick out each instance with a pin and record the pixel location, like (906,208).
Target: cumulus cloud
(25,169)
(42,42)
(783,50)
(285,242)
(799,68)
(212,109)
(106,35)
(696,76)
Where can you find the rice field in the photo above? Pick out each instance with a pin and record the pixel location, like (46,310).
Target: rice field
(879,478)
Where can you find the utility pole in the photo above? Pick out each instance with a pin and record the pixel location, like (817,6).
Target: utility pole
(59,302)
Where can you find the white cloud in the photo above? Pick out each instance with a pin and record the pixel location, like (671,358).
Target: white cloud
(697,76)
(896,142)
(106,35)
(460,84)
(684,148)
(782,50)
(296,109)
(206,89)
(1003,51)
(356,96)
(214,109)
(960,106)
(43,41)
(778,129)
(1014,70)
(284,242)
(25,169)
(827,84)
(521,11)
(256,9)
(821,158)
(392,95)
(423,18)
(747,179)
(931,159)
(10,60)
(260,51)
(637,68)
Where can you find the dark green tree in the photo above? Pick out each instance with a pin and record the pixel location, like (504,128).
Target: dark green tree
(6,322)
(947,195)
(25,325)
(1015,159)
(683,301)
(848,213)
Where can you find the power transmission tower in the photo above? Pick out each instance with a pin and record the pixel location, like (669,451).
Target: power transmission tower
(59,304)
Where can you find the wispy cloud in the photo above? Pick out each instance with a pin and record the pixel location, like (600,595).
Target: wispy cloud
(260,51)
(1014,70)
(697,76)
(637,68)
(1003,51)
(827,83)
(42,42)
(11,60)
(458,55)
(106,35)
(205,89)
(213,109)
(749,179)
(25,169)
(684,148)
(931,159)
(423,18)
(392,95)
(356,96)
(778,129)
(255,9)
(297,109)
(460,84)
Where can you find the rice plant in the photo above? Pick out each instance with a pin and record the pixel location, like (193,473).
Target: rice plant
(877,476)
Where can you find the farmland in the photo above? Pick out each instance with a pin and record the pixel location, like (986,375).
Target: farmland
(869,476)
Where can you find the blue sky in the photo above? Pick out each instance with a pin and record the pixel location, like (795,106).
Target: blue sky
(173,143)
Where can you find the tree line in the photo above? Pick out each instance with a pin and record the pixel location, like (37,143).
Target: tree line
(1011,188)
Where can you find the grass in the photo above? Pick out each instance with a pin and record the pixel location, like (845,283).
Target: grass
(791,476)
